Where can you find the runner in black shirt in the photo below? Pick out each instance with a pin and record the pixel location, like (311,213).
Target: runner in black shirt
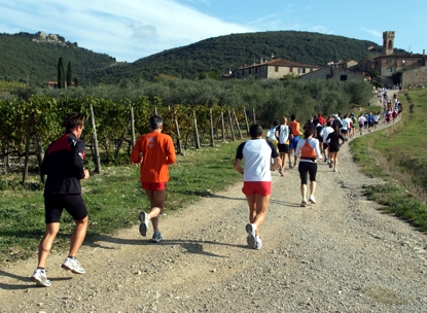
(63,165)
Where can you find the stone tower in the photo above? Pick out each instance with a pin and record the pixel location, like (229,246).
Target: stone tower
(388,42)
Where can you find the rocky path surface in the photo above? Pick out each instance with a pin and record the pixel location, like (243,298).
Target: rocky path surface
(340,255)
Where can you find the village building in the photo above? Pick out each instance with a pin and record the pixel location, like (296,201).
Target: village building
(275,69)
(334,71)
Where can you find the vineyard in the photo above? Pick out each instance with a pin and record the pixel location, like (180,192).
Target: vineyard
(111,127)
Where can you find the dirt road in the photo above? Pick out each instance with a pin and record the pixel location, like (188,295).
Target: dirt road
(340,255)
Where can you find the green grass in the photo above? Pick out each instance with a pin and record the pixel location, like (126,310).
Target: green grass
(398,155)
(114,199)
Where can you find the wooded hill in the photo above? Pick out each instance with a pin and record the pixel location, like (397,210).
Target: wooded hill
(19,56)
(22,59)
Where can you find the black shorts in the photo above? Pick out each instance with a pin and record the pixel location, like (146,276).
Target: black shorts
(73,204)
(333,147)
(307,167)
(344,131)
(283,147)
(325,145)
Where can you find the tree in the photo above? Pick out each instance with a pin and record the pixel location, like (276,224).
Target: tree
(69,74)
(61,81)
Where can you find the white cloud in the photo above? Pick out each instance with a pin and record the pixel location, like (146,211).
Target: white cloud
(320,29)
(373,32)
(118,28)
(141,31)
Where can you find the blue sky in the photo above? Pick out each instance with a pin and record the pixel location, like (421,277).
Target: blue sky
(131,29)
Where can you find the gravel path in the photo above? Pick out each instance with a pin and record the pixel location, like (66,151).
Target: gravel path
(340,255)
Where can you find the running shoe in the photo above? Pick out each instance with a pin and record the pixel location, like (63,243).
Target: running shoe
(251,230)
(330,164)
(303,203)
(312,200)
(40,278)
(258,243)
(157,237)
(326,159)
(145,219)
(335,169)
(282,172)
(290,165)
(73,265)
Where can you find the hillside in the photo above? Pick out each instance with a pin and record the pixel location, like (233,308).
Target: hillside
(232,51)
(21,57)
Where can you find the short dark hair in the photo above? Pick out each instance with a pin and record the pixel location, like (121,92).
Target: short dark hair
(156,121)
(308,131)
(72,121)
(275,123)
(255,130)
(293,117)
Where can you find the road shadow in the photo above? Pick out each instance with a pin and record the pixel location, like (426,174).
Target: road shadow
(190,246)
(206,194)
(24,279)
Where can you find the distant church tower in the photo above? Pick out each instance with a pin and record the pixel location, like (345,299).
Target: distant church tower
(388,42)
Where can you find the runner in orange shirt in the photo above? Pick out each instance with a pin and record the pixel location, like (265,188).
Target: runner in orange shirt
(154,152)
(294,126)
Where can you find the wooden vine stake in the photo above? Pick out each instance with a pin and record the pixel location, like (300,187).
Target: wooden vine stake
(222,126)
(40,156)
(233,136)
(132,126)
(196,131)
(178,134)
(246,120)
(253,112)
(237,124)
(95,140)
(27,155)
(212,130)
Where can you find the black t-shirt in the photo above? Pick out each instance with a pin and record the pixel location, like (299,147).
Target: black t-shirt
(63,165)
(334,138)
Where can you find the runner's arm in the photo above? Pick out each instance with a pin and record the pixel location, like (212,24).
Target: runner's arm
(171,155)
(238,159)
(135,156)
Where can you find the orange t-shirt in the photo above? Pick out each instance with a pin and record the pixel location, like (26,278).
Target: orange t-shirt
(157,151)
(295,128)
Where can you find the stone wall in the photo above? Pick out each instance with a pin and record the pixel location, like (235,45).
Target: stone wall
(415,78)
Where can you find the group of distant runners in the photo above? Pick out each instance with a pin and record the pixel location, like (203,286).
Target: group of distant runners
(154,152)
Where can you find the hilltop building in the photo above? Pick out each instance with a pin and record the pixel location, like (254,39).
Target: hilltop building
(412,67)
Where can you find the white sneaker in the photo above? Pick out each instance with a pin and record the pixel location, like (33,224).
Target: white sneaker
(73,265)
(251,230)
(312,200)
(303,202)
(145,219)
(335,169)
(40,278)
(258,243)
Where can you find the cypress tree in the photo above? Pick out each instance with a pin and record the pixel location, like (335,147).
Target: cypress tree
(69,74)
(61,81)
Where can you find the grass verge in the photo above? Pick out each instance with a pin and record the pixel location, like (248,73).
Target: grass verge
(114,199)
(399,156)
